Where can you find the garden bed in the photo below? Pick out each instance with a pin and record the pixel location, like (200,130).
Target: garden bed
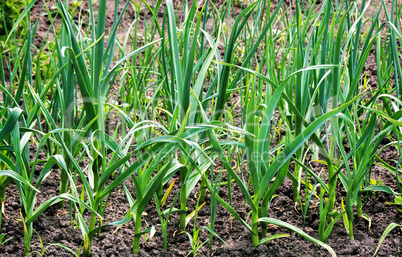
(59,234)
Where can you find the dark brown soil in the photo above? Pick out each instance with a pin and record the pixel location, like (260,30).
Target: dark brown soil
(54,226)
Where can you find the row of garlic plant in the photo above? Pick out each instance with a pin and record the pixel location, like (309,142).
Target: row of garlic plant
(301,64)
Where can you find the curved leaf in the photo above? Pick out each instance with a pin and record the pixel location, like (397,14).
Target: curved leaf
(298,231)
(10,122)
(380,188)
(386,232)
(14,175)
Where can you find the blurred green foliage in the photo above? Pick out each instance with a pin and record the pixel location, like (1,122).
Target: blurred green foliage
(9,13)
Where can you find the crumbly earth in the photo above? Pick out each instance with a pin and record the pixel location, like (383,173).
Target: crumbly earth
(54,225)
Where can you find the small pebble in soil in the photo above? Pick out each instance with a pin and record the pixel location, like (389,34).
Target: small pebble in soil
(262,248)
(64,223)
(109,252)
(15,205)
